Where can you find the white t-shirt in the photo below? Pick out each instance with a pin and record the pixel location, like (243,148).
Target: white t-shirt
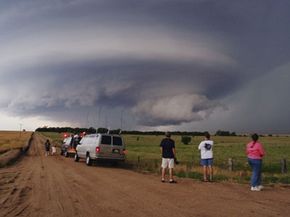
(205,148)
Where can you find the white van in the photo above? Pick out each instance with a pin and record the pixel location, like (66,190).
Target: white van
(100,147)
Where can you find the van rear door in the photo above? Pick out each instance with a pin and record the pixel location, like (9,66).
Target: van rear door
(105,146)
(117,147)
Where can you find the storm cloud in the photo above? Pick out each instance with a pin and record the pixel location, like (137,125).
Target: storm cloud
(156,64)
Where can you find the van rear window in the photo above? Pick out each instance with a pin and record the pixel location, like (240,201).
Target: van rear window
(106,140)
(117,141)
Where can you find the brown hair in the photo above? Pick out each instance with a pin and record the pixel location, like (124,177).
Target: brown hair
(207,135)
(255,138)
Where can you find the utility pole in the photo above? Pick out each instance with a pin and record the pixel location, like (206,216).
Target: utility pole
(99,117)
(20,129)
(122,119)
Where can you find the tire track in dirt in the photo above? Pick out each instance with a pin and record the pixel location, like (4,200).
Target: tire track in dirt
(17,185)
(57,186)
(13,199)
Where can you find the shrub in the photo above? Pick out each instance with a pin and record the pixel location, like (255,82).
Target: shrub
(185,140)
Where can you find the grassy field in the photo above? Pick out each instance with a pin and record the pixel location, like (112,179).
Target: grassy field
(144,153)
(55,138)
(13,140)
(146,149)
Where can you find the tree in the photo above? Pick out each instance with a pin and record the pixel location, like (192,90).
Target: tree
(185,140)
(225,133)
(116,131)
(102,130)
(91,130)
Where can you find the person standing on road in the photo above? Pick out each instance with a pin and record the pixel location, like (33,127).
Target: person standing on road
(206,155)
(53,149)
(76,141)
(47,147)
(71,144)
(167,147)
(255,153)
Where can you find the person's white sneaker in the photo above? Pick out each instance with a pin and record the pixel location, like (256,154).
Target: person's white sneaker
(261,187)
(255,189)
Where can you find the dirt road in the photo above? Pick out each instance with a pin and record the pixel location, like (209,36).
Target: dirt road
(57,186)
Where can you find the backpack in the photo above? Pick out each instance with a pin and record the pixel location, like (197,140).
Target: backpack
(207,146)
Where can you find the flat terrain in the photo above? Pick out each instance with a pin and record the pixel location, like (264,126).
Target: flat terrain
(57,186)
(13,140)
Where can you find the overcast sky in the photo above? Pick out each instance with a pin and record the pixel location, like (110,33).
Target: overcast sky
(191,65)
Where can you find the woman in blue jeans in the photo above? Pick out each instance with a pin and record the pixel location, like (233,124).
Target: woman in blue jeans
(255,153)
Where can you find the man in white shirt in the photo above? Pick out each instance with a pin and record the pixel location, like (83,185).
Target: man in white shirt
(206,155)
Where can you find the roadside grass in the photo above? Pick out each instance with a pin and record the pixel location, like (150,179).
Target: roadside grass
(13,140)
(55,138)
(143,153)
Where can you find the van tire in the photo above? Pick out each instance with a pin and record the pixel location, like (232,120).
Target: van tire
(114,163)
(88,160)
(76,158)
(66,154)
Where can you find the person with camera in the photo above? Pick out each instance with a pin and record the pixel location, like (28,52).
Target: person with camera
(47,147)
(167,147)
(206,155)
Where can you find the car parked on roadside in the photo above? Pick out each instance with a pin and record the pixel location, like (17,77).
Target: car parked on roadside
(106,147)
(68,147)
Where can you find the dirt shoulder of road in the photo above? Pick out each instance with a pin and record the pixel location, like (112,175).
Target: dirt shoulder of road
(11,156)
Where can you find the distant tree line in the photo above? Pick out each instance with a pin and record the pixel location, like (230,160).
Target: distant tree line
(66,130)
(114,131)
(157,133)
(128,132)
(225,133)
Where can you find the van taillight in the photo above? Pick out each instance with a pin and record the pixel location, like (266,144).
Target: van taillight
(98,149)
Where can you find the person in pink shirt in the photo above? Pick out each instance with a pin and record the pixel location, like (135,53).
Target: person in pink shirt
(255,153)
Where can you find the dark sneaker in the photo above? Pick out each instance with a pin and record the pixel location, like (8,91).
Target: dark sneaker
(172,181)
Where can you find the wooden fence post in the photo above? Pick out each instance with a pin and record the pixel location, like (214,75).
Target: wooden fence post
(138,164)
(156,166)
(283,166)
(188,169)
(231,164)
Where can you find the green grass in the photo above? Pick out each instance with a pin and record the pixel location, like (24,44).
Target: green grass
(146,148)
(55,138)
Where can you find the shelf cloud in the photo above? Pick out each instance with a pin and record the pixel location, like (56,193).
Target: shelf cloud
(183,65)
